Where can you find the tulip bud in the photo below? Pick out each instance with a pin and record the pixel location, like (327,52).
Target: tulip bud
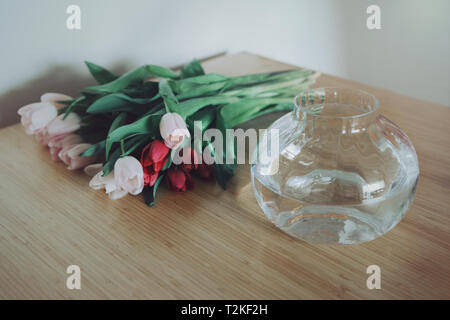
(128,175)
(71,156)
(56,144)
(153,158)
(58,127)
(178,180)
(36,116)
(173,130)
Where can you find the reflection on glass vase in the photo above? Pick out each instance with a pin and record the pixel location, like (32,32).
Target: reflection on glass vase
(345,173)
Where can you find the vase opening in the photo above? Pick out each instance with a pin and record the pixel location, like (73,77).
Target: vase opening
(335,103)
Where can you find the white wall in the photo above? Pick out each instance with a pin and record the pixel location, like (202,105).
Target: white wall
(410,54)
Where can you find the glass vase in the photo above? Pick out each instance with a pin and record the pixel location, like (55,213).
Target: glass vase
(345,174)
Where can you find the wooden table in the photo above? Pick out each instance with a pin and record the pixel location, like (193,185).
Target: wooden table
(209,243)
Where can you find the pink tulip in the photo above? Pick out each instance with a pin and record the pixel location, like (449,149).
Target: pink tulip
(68,125)
(129,175)
(57,143)
(173,130)
(70,155)
(36,116)
(109,184)
(58,127)
(53,98)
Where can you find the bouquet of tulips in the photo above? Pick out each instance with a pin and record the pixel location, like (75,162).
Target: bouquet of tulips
(126,130)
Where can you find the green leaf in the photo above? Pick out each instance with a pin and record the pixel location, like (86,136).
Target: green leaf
(148,124)
(184,85)
(76,103)
(206,85)
(108,166)
(169,99)
(100,74)
(203,79)
(168,164)
(261,78)
(149,193)
(254,90)
(66,103)
(191,106)
(134,76)
(205,115)
(233,114)
(119,102)
(146,89)
(118,121)
(202,90)
(192,69)
(265,84)
(94,150)
(145,125)
(223,171)
(144,139)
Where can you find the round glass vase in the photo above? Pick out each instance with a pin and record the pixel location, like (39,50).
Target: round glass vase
(341,174)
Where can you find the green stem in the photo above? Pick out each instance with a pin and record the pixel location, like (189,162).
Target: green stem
(122,146)
(167,108)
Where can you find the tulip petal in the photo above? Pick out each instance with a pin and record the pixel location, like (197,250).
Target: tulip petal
(93,169)
(53,97)
(68,125)
(26,109)
(96,182)
(43,115)
(158,151)
(70,155)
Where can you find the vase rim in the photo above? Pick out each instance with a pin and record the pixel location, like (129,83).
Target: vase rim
(300,106)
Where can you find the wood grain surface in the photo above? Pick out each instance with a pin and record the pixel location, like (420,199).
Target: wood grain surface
(209,243)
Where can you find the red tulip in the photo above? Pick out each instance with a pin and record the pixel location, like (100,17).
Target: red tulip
(205,171)
(153,158)
(179,180)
